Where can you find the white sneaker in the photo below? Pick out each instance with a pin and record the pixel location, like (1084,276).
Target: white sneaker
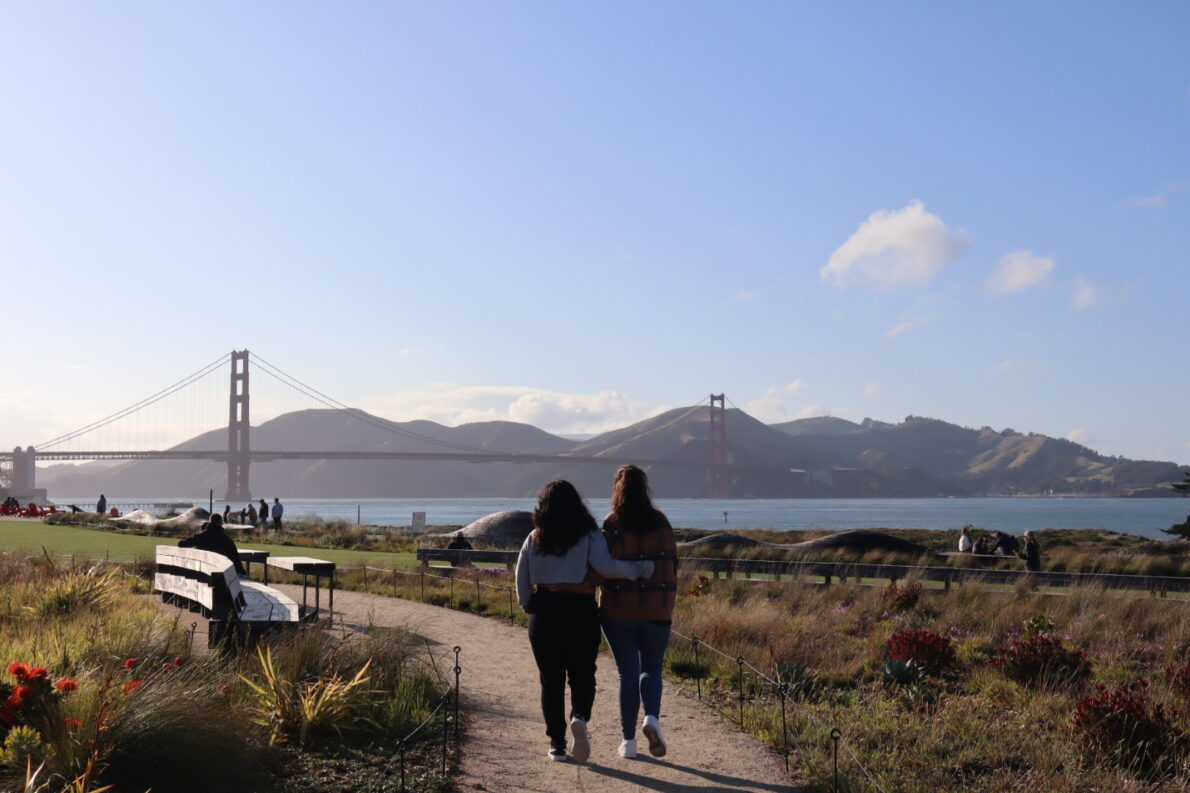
(558,755)
(581,749)
(652,730)
(628,748)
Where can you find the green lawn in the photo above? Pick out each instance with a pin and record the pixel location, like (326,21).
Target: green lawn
(96,544)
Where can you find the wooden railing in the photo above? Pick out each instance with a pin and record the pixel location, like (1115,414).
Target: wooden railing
(845,571)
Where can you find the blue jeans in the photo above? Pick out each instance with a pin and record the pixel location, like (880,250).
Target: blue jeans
(639,649)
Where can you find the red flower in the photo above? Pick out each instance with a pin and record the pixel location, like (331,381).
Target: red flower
(18,670)
(179,661)
(131,685)
(132,663)
(223,688)
(38,674)
(67,684)
(74,725)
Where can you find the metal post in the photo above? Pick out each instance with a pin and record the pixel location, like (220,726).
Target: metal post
(365,577)
(452,591)
(740,664)
(478,596)
(784,726)
(835,736)
(401,747)
(394,582)
(458,671)
(423,586)
(357,520)
(445,733)
(697,669)
(211,500)
(511,619)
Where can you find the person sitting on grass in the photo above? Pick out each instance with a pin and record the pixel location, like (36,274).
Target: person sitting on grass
(212,538)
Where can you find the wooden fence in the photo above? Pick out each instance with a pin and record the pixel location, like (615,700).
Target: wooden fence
(845,571)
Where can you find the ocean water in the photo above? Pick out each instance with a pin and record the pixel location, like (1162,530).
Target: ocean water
(1143,516)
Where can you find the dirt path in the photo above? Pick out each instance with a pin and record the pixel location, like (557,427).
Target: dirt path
(506,745)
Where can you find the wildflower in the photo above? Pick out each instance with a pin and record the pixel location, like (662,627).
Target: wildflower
(131,685)
(223,688)
(67,684)
(73,725)
(131,663)
(18,670)
(38,674)
(179,661)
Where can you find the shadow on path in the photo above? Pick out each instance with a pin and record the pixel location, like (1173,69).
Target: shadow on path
(714,783)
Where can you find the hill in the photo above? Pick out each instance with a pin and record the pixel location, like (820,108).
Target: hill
(810,457)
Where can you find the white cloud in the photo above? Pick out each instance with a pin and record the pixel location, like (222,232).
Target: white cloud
(1017,367)
(871,389)
(1159,200)
(771,407)
(1020,270)
(1083,437)
(895,248)
(452,404)
(812,411)
(907,325)
(1085,295)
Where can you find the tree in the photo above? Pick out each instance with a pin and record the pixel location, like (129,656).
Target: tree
(1181,529)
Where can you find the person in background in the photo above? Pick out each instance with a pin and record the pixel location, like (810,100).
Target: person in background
(101,505)
(252,514)
(459,543)
(981,545)
(212,538)
(227,514)
(264,515)
(243,516)
(965,544)
(554,587)
(1006,544)
(278,511)
(637,617)
(1031,553)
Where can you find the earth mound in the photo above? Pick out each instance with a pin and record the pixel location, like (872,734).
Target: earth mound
(506,529)
(860,540)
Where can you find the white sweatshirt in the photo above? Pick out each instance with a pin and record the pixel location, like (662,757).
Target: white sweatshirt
(534,568)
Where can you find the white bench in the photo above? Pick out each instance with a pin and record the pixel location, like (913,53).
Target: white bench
(207,582)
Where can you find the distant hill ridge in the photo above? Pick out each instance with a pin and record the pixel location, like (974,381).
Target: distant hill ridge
(822,456)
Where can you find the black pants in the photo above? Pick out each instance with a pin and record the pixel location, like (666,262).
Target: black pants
(564,634)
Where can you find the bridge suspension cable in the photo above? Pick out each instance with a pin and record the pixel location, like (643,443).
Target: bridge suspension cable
(144,403)
(309,391)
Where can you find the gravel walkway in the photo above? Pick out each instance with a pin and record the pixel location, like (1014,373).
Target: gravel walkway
(505,747)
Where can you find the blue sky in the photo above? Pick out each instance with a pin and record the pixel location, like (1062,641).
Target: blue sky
(579,214)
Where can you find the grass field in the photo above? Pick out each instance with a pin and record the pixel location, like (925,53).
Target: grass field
(90,543)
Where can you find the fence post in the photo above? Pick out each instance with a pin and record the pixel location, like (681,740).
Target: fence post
(452,591)
(740,664)
(365,577)
(445,731)
(458,671)
(394,582)
(697,669)
(478,596)
(401,747)
(835,736)
(511,618)
(423,586)
(784,726)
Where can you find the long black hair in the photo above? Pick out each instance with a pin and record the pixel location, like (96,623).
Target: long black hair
(632,505)
(561,519)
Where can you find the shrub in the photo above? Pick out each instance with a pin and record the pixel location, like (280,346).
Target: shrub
(1040,660)
(929,650)
(1179,679)
(901,598)
(1122,725)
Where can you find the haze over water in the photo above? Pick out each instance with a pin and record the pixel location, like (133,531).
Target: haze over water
(1142,516)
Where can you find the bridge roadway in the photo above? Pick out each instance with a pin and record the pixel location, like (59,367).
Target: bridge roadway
(467,457)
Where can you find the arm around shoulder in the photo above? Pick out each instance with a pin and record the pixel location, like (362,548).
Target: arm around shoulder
(602,562)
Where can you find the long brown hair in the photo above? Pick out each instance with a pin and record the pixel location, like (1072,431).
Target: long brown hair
(561,519)
(632,503)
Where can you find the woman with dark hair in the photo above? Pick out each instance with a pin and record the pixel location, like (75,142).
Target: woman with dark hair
(555,589)
(637,617)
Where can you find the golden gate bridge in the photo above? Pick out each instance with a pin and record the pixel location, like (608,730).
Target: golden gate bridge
(97,441)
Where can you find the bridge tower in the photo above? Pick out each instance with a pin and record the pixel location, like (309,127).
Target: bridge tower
(718,449)
(238,447)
